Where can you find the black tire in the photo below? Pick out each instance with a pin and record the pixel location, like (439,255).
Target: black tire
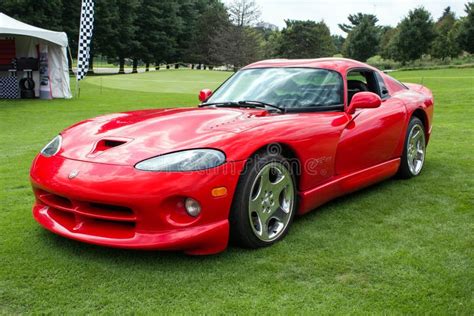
(241,232)
(404,171)
(27,84)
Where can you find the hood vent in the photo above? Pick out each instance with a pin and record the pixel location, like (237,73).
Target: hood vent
(110,143)
(106,144)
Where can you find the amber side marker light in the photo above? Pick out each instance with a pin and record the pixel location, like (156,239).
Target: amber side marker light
(219,192)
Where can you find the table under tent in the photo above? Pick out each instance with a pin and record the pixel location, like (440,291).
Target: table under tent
(33,61)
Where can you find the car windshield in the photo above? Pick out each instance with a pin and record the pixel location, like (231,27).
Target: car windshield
(292,89)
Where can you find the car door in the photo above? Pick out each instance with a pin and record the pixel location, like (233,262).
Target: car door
(372,135)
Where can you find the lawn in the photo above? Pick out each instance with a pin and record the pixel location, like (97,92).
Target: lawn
(396,247)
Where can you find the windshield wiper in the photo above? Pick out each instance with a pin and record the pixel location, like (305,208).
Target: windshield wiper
(251,104)
(262,104)
(224,104)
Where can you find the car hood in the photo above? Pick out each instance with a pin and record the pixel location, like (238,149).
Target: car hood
(130,137)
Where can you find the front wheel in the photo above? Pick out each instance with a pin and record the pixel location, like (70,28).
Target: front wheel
(414,152)
(264,203)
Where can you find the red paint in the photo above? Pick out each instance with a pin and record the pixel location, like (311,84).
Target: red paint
(344,184)
(109,202)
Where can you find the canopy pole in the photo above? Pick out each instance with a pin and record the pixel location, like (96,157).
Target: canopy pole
(76,88)
(72,60)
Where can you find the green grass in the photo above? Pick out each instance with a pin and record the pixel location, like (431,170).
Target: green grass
(163,81)
(396,247)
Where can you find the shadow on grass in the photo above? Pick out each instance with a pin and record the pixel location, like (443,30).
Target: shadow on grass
(73,248)
(232,255)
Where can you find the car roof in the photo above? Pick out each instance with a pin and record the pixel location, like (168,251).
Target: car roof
(338,64)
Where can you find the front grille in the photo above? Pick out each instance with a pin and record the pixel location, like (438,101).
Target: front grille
(89,217)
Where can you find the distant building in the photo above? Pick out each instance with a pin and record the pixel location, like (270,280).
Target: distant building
(267,26)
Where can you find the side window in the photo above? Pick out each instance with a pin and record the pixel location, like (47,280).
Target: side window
(384,94)
(361,80)
(356,76)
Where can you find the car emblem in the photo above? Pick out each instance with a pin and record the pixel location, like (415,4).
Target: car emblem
(73,174)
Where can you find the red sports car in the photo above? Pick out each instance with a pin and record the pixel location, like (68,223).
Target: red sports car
(279,138)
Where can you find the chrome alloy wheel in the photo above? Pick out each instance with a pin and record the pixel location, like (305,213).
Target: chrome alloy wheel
(271,201)
(416,149)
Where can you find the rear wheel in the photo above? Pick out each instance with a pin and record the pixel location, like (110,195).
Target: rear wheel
(264,203)
(414,152)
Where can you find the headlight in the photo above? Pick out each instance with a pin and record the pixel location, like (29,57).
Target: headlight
(52,147)
(188,160)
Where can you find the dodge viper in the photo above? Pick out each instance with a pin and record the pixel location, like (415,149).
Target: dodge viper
(278,138)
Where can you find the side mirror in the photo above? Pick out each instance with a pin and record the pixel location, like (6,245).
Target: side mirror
(364,100)
(204,95)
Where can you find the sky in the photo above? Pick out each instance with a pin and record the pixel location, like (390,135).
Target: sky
(389,12)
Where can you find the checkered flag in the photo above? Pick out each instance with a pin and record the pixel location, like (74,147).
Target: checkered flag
(85,37)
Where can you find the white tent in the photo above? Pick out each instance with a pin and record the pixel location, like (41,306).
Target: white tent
(27,39)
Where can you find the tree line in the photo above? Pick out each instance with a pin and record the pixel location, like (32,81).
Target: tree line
(416,35)
(207,32)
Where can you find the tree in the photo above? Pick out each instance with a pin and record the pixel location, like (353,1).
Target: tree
(71,12)
(185,34)
(338,42)
(356,19)
(445,44)
(201,23)
(243,44)
(125,44)
(386,45)
(157,23)
(363,38)
(41,13)
(106,18)
(213,22)
(244,12)
(272,45)
(270,36)
(415,35)
(306,39)
(466,31)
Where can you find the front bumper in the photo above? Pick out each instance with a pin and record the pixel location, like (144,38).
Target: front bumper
(119,206)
